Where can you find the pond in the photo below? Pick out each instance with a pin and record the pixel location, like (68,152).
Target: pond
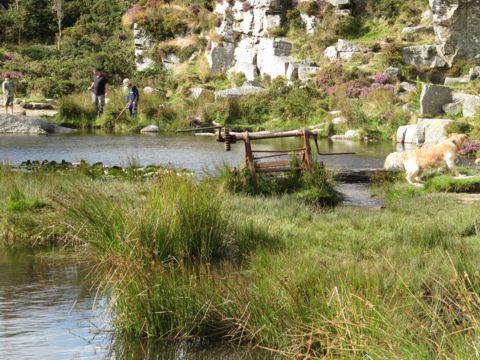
(198,153)
(48,310)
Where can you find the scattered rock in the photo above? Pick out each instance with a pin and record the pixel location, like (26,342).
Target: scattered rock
(433,98)
(453,109)
(20,124)
(408,87)
(339,120)
(393,73)
(423,55)
(339,2)
(344,50)
(457,28)
(474,73)
(419,29)
(305,72)
(198,93)
(470,103)
(238,91)
(37,106)
(409,108)
(349,135)
(456,80)
(150,129)
(149,90)
(310,22)
(432,131)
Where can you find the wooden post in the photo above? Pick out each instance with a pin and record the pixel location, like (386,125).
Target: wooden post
(249,162)
(308,150)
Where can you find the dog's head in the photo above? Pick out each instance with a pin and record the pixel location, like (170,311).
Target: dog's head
(460,140)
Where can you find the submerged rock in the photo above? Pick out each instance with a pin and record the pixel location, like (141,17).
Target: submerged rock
(21,124)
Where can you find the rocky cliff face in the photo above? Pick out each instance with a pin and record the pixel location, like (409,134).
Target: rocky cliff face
(457,29)
(245,45)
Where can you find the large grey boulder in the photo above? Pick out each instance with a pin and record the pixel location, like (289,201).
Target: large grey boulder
(21,124)
(220,57)
(470,103)
(410,134)
(432,131)
(425,131)
(423,55)
(433,98)
(244,90)
(457,28)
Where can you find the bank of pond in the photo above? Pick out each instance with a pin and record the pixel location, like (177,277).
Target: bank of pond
(282,267)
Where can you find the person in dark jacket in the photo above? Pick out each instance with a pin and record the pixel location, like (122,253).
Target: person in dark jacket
(99,90)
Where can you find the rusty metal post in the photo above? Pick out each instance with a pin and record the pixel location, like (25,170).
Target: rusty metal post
(249,161)
(308,150)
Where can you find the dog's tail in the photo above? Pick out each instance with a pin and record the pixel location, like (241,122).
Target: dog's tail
(394,161)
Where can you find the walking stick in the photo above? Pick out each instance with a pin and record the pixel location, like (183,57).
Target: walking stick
(118,117)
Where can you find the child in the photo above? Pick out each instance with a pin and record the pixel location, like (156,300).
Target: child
(133,99)
(8,90)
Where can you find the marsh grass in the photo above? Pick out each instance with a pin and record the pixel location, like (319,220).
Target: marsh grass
(182,259)
(315,188)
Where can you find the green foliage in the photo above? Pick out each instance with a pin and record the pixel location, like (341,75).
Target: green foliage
(445,183)
(77,110)
(316,188)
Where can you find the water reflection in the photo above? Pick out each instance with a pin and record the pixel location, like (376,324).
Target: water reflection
(48,311)
(192,152)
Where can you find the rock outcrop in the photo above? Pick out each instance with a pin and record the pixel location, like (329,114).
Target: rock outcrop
(247,44)
(20,124)
(143,43)
(457,29)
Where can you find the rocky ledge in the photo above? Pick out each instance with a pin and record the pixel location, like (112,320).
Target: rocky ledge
(21,124)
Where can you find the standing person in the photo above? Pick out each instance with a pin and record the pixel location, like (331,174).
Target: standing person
(8,91)
(99,87)
(134,96)
(126,90)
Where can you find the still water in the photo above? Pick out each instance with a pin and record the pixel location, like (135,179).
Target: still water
(196,153)
(48,310)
